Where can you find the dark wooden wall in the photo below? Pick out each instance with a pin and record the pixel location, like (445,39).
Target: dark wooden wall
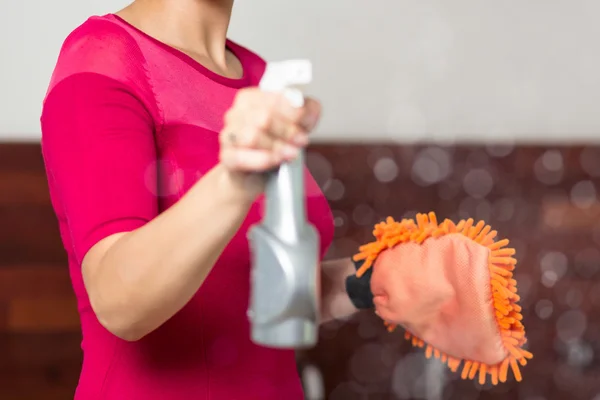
(39,339)
(542,199)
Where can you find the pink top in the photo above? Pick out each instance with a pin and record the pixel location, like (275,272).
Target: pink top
(129,125)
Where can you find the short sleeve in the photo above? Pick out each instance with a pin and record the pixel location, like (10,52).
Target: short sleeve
(100,157)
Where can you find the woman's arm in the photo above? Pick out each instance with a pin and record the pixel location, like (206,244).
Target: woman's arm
(138,280)
(335,302)
(141,267)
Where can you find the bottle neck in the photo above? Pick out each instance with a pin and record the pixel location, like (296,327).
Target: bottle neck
(285,208)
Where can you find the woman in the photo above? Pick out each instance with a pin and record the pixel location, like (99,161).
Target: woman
(154,136)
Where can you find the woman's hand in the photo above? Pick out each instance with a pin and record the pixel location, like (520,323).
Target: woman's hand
(263,130)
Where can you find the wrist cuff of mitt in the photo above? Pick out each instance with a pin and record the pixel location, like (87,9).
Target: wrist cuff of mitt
(359,288)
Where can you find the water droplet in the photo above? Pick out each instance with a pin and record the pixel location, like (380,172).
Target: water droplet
(548,168)
(571,325)
(341,222)
(583,194)
(554,262)
(552,160)
(549,278)
(499,151)
(478,183)
(544,309)
(579,354)
(431,165)
(377,154)
(338,221)
(335,190)
(574,298)
(385,170)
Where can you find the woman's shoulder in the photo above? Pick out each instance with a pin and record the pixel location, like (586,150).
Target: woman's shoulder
(100,46)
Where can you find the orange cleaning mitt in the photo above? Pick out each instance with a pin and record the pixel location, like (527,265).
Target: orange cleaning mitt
(451,288)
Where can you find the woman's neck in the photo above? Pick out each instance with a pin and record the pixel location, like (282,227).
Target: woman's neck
(198,27)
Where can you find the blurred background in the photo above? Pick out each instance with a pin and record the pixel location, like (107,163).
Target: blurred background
(470,108)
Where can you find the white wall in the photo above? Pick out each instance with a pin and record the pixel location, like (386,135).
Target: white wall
(402,69)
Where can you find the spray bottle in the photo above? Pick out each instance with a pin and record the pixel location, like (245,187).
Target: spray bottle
(285,285)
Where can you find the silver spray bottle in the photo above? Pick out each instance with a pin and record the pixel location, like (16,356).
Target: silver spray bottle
(285,287)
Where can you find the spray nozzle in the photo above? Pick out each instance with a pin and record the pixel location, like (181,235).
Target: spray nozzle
(288,77)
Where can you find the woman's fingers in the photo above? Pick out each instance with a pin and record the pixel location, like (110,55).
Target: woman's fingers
(249,160)
(305,117)
(253,138)
(311,114)
(262,130)
(278,128)
(273,113)
(247,136)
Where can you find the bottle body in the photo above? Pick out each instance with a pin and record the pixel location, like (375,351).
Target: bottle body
(284,303)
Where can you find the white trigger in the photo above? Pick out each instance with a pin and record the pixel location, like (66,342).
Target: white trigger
(288,77)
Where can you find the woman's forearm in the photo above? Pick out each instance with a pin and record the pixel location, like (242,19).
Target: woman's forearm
(335,303)
(138,280)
